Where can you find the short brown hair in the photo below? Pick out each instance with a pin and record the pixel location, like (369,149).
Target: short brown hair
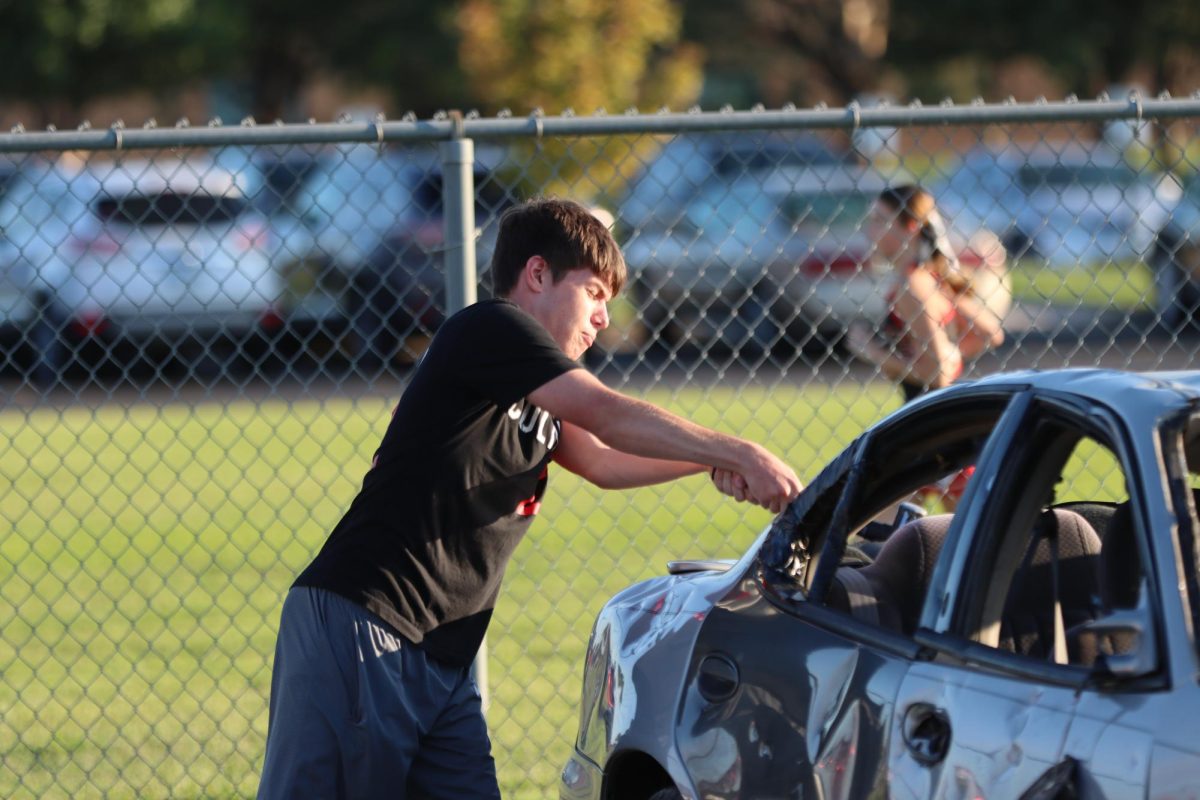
(564,233)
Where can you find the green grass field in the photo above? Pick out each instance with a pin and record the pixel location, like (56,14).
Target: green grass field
(148,551)
(1125,287)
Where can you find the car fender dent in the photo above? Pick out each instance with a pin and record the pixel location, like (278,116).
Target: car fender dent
(836,669)
(640,646)
(836,762)
(834,725)
(1114,759)
(1185,541)
(986,758)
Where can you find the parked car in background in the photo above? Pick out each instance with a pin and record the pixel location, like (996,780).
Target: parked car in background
(137,259)
(370,239)
(688,164)
(17,303)
(10,165)
(1039,642)
(1175,261)
(273,179)
(1067,206)
(776,260)
(689,276)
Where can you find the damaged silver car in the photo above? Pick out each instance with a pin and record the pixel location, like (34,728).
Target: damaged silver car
(1038,642)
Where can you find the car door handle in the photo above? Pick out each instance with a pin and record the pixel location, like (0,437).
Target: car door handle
(718,678)
(926,733)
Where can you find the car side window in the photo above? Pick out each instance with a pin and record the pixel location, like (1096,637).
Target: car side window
(1070,563)
(1185,450)
(887,530)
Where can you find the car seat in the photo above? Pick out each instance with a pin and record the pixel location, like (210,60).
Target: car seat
(1097,513)
(1120,576)
(1058,582)
(890,591)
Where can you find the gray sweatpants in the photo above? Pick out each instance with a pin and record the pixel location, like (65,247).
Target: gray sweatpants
(359,712)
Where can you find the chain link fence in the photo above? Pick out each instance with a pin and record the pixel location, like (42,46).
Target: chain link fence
(204,330)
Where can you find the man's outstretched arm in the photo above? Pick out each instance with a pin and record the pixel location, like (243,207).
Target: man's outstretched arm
(581,452)
(642,429)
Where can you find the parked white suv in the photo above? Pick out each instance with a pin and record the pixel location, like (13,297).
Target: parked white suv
(1066,206)
(162,253)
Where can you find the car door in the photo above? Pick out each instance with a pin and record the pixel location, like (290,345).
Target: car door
(991,711)
(1133,730)
(789,692)
(776,705)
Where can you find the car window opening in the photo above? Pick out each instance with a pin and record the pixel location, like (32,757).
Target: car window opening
(169,209)
(1077,562)
(898,520)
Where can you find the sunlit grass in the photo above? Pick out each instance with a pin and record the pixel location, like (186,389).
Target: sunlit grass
(148,551)
(1124,287)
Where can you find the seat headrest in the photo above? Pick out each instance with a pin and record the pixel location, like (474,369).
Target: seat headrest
(1076,535)
(1063,538)
(904,567)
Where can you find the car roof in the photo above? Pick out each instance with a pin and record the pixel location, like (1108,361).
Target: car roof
(782,184)
(145,176)
(1043,154)
(829,178)
(1129,393)
(151,177)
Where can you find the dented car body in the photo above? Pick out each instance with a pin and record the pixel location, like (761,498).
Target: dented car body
(1038,641)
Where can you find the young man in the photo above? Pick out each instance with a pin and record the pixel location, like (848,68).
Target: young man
(371,693)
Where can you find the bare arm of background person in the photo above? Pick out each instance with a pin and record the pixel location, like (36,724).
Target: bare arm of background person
(981,328)
(934,361)
(622,427)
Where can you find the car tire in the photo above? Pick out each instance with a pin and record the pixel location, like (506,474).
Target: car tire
(201,359)
(805,341)
(1020,245)
(1175,297)
(50,349)
(670,793)
(762,332)
(398,294)
(369,295)
(660,332)
(257,353)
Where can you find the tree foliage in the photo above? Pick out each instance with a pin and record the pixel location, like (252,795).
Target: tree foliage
(579,54)
(64,52)
(275,48)
(586,54)
(829,59)
(1087,45)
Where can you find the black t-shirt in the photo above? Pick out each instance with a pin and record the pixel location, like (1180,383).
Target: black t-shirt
(454,485)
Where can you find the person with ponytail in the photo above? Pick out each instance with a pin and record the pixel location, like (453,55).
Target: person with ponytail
(935,321)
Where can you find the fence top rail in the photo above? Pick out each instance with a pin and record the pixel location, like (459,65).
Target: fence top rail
(454,125)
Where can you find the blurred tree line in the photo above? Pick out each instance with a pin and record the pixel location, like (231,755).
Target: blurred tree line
(584,54)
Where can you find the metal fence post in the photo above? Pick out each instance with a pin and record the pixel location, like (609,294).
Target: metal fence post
(458,202)
(458,221)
